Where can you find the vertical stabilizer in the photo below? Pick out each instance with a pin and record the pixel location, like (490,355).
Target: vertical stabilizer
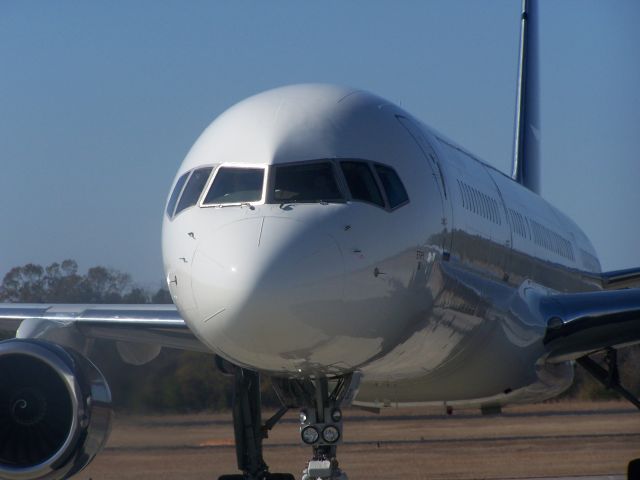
(526,144)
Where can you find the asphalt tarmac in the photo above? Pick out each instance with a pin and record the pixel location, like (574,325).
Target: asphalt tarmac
(555,440)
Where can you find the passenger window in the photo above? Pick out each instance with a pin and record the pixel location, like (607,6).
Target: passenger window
(192,191)
(396,193)
(361,182)
(235,185)
(175,194)
(306,183)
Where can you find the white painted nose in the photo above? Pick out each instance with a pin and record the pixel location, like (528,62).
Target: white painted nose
(269,293)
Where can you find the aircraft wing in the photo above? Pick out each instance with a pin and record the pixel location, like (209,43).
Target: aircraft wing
(627,278)
(583,323)
(146,324)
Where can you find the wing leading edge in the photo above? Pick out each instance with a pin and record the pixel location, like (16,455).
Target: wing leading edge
(145,324)
(627,278)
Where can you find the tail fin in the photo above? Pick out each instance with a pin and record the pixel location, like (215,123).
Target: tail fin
(526,144)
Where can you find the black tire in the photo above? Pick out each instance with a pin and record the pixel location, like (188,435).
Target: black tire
(235,476)
(633,470)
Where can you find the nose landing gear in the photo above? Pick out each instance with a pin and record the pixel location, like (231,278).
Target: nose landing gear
(320,400)
(321,428)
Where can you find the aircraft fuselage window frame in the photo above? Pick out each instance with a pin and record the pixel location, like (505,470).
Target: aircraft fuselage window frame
(363,188)
(330,178)
(341,191)
(224,169)
(175,194)
(193,188)
(175,205)
(392,186)
(384,189)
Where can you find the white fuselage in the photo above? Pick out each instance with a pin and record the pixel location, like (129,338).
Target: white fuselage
(426,299)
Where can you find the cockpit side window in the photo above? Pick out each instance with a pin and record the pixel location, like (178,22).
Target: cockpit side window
(361,182)
(235,185)
(175,194)
(305,183)
(393,187)
(193,189)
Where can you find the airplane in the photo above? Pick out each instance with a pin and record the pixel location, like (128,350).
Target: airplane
(324,237)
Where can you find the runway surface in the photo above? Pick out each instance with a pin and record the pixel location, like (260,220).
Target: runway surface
(568,441)
(596,477)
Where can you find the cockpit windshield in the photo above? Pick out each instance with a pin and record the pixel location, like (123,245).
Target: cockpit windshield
(193,188)
(235,185)
(306,183)
(177,190)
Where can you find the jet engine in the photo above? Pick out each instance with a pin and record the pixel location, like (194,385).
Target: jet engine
(55,410)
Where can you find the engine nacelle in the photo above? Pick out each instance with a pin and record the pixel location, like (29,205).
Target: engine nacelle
(55,410)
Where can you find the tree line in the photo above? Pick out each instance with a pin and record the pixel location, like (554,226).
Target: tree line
(175,381)
(61,283)
(180,380)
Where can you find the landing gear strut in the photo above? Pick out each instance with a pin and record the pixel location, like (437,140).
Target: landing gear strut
(321,427)
(610,378)
(248,428)
(320,421)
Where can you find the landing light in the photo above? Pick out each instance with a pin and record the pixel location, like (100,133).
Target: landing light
(330,434)
(336,415)
(309,435)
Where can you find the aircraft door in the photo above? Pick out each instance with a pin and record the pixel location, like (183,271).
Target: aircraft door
(434,164)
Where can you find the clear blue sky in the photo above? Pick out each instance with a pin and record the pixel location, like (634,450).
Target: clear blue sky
(100,101)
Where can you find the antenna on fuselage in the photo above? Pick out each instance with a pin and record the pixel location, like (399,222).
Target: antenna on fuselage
(526,143)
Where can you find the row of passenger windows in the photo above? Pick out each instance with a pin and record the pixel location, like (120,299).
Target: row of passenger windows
(590,261)
(518,222)
(541,235)
(479,203)
(487,207)
(552,241)
(308,182)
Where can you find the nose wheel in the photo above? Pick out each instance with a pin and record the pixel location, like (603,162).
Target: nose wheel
(321,470)
(321,427)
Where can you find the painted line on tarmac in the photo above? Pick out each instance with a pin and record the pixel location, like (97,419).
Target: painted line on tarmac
(384,443)
(457,415)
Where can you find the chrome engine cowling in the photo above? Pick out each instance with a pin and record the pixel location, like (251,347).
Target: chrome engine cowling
(55,410)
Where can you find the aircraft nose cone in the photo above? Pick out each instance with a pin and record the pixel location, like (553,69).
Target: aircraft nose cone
(266,289)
